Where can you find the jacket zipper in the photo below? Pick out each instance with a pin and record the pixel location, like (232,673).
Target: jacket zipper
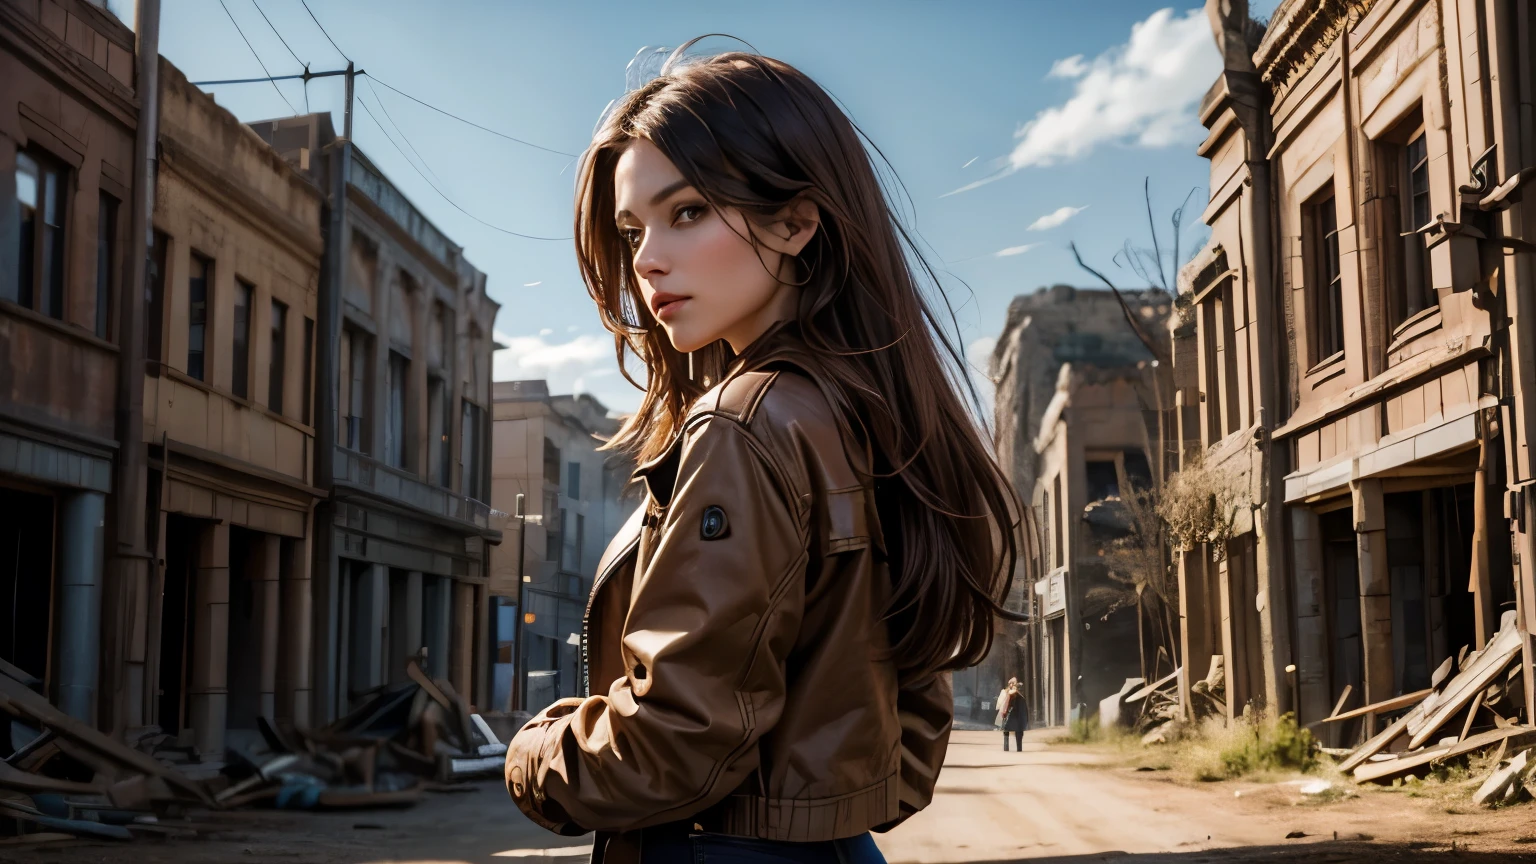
(586,616)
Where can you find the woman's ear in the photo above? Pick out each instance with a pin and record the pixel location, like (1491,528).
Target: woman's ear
(796,224)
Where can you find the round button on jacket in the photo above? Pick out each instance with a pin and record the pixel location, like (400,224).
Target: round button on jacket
(713,526)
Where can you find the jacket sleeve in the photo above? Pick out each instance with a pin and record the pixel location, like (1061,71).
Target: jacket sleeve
(710,624)
(927,713)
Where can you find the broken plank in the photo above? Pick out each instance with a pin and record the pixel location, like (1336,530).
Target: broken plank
(1514,736)
(1466,685)
(14,695)
(1466,728)
(1343,700)
(13,778)
(1375,743)
(1395,703)
(1153,687)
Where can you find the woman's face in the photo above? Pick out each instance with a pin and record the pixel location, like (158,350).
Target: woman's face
(699,273)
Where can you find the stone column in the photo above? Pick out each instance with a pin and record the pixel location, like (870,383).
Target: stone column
(295,651)
(268,602)
(208,687)
(461,668)
(370,628)
(413,613)
(1375,588)
(1311,624)
(439,625)
(77,643)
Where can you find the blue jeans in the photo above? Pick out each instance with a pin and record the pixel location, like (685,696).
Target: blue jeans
(668,844)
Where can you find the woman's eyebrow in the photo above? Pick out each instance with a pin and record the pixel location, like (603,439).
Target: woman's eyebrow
(664,194)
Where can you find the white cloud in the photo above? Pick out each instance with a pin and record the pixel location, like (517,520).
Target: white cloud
(971,162)
(1055,218)
(978,356)
(572,329)
(546,331)
(1015,250)
(1068,67)
(533,284)
(1143,93)
(560,362)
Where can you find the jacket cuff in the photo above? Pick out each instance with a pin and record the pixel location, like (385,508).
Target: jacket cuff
(531,755)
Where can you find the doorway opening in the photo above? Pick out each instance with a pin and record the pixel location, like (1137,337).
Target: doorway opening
(26,579)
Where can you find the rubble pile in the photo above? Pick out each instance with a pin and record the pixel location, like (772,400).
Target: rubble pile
(62,779)
(1478,710)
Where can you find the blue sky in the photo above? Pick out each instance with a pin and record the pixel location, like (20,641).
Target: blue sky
(1064,106)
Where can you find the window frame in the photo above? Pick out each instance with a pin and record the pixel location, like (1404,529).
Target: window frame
(46,288)
(1324,276)
(240,339)
(107,227)
(277,360)
(200,327)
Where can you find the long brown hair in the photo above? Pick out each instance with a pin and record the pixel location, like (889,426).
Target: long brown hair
(755,134)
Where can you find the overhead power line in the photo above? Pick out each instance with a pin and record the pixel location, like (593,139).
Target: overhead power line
(439,191)
(471,122)
(290,51)
(257,56)
(322,30)
(391,119)
(279,35)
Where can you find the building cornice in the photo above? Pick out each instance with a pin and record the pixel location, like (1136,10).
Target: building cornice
(1299,33)
(256,211)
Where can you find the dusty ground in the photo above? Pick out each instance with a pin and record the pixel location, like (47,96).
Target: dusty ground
(1052,803)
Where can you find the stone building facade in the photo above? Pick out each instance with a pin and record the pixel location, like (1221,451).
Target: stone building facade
(1357,151)
(404,343)
(228,419)
(1076,421)
(546,448)
(68,116)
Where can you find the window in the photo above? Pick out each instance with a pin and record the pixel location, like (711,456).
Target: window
(240,377)
(1327,283)
(309,367)
(551,462)
(573,480)
(1414,294)
(1050,522)
(581,540)
(198,280)
(1103,481)
(399,373)
(354,353)
(437,338)
(552,530)
(41,185)
(440,427)
(1056,523)
(279,357)
(106,259)
(154,288)
(362,272)
(469,451)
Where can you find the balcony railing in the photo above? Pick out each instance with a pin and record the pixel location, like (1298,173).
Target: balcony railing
(372,476)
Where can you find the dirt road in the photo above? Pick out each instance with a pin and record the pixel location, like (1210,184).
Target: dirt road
(1050,804)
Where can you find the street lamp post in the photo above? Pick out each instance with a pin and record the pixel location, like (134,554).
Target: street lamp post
(520,675)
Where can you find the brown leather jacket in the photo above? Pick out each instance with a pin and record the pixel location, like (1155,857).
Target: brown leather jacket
(734,636)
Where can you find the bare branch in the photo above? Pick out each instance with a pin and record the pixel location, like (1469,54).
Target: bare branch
(1146,188)
(1129,317)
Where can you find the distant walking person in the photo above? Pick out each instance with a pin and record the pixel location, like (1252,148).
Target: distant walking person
(1012,714)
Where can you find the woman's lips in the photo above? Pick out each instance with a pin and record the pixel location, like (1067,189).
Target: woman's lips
(669,308)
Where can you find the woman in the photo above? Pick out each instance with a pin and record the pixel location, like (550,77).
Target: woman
(823,536)
(1012,714)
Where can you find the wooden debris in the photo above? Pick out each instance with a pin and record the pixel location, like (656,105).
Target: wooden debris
(1505,778)
(1462,689)
(1396,703)
(1410,763)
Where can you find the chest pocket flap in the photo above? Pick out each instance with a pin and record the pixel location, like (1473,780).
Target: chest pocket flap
(844,520)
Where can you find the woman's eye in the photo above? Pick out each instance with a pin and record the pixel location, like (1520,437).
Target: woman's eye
(691,213)
(631,236)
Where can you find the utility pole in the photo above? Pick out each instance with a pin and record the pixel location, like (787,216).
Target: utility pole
(347,115)
(326,611)
(129,570)
(519,673)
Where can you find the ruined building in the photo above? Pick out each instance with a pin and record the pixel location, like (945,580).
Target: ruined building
(1077,429)
(1355,355)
